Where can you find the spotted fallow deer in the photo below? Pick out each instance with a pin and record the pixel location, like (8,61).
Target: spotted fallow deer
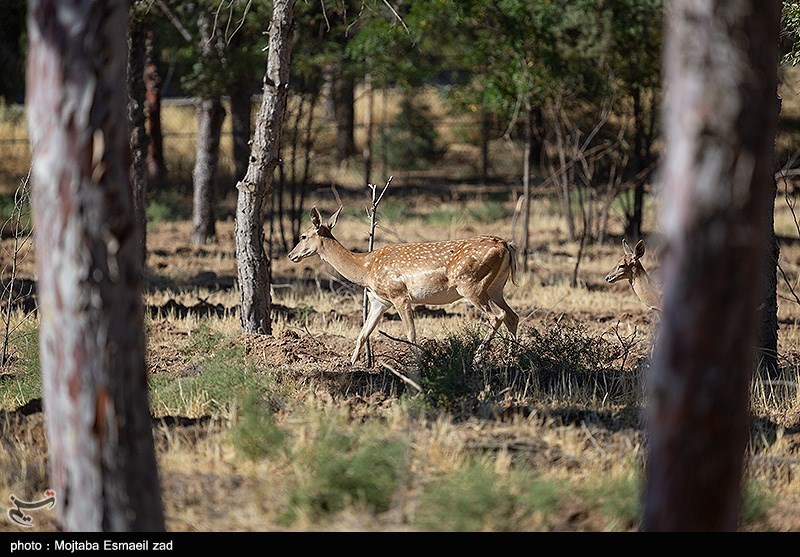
(403,275)
(629,267)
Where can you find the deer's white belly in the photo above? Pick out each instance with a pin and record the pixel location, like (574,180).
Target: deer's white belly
(429,287)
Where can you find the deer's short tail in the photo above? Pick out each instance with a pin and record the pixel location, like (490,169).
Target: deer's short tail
(512,259)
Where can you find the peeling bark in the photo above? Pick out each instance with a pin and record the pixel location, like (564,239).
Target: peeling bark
(138,132)
(721,62)
(210,114)
(102,460)
(252,261)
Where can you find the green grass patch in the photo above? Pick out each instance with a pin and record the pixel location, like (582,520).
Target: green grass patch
(475,498)
(756,502)
(444,215)
(256,434)
(347,467)
(394,210)
(216,376)
(458,374)
(21,380)
(488,212)
(619,498)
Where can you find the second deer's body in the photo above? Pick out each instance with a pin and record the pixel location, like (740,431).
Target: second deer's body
(403,275)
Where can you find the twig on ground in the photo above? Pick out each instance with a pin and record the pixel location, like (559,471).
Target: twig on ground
(405,378)
(390,337)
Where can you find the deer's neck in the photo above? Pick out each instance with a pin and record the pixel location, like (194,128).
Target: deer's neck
(352,266)
(646,289)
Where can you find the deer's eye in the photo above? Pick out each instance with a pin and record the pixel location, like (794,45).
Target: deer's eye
(303,237)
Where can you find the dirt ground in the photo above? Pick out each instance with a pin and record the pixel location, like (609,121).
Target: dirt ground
(207,488)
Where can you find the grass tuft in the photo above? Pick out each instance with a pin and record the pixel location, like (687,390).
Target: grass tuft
(343,468)
(475,498)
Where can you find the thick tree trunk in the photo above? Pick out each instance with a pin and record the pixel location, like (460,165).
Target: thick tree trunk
(252,261)
(210,114)
(138,131)
(102,461)
(156,169)
(721,63)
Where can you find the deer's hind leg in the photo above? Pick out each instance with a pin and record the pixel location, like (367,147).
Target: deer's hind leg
(510,317)
(480,299)
(406,313)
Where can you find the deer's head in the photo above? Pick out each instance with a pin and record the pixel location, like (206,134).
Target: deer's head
(311,239)
(628,267)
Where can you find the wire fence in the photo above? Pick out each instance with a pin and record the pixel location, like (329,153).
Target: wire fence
(454,148)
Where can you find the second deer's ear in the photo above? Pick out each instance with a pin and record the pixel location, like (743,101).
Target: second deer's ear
(334,218)
(639,249)
(316,219)
(626,248)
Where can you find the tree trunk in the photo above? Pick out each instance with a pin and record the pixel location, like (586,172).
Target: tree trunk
(344,113)
(721,63)
(241,108)
(101,455)
(367,150)
(210,114)
(768,329)
(526,185)
(138,131)
(156,169)
(633,226)
(252,262)
(485,129)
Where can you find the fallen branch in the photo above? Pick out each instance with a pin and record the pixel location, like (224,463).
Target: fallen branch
(405,378)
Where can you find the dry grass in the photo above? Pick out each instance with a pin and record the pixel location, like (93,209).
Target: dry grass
(560,459)
(553,450)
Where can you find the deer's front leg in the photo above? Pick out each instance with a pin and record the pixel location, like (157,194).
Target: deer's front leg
(377,306)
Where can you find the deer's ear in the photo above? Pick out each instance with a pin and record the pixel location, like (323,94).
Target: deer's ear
(639,249)
(626,248)
(316,219)
(334,218)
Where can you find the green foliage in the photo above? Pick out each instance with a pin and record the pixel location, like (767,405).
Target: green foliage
(158,212)
(756,502)
(256,435)
(23,380)
(446,368)
(232,56)
(560,363)
(11,113)
(477,499)
(411,141)
(566,349)
(302,312)
(361,468)
(12,205)
(489,211)
(218,375)
(790,30)
(394,210)
(444,215)
(619,498)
